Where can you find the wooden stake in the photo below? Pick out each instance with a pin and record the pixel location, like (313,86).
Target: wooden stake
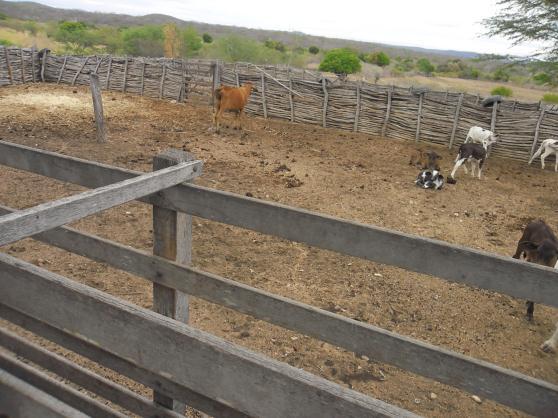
(108,72)
(62,70)
(264,103)
(142,77)
(455,120)
(291,102)
(419,117)
(43,64)
(33,63)
(172,239)
(8,64)
(22,65)
(324,110)
(388,109)
(537,129)
(357,110)
(98,107)
(125,74)
(162,84)
(79,71)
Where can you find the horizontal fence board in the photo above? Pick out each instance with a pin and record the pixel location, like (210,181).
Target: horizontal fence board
(245,380)
(510,388)
(149,378)
(422,255)
(86,379)
(48,215)
(19,399)
(58,390)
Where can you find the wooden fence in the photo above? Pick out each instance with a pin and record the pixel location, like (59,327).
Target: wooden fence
(190,366)
(442,118)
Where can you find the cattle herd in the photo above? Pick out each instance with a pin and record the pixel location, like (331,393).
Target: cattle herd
(538,244)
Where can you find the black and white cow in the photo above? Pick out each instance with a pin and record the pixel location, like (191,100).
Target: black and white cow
(430,179)
(475,154)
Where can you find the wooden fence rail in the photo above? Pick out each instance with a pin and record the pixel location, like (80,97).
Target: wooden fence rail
(507,387)
(242,379)
(464,265)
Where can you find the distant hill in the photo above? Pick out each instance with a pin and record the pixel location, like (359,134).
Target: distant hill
(39,12)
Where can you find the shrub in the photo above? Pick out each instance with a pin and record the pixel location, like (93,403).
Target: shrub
(501,91)
(31,27)
(144,41)
(314,50)
(5,42)
(425,66)
(277,45)
(542,78)
(207,38)
(500,75)
(469,73)
(381,59)
(341,61)
(3,16)
(550,98)
(191,42)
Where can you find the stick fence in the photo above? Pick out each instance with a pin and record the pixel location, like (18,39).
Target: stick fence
(433,117)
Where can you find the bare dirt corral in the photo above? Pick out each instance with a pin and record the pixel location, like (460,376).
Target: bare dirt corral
(354,176)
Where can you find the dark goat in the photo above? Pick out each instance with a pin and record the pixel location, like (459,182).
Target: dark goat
(539,245)
(427,160)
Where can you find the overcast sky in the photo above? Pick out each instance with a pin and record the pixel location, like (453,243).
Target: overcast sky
(435,24)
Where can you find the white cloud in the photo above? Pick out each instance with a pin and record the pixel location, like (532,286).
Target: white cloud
(428,23)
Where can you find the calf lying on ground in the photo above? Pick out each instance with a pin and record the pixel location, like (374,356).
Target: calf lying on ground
(549,146)
(539,245)
(551,344)
(475,154)
(477,135)
(233,99)
(425,159)
(430,179)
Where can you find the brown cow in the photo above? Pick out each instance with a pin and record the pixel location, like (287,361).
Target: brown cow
(425,159)
(232,99)
(539,245)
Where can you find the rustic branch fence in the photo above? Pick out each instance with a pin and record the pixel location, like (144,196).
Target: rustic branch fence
(433,117)
(190,366)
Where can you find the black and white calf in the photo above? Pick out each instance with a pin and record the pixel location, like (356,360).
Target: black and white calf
(430,179)
(478,135)
(538,245)
(475,154)
(549,146)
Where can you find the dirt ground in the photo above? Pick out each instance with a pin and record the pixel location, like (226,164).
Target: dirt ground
(354,176)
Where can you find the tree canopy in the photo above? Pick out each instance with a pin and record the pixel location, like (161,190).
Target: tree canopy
(527,20)
(341,61)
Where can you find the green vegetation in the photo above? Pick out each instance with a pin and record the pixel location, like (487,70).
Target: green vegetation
(550,98)
(314,50)
(501,75)
(502,91)
(3,16)
(191,42)
(542,79)
(278,46)
(5,42)
(378,58)
(207,38)
(425,66)
(341,61)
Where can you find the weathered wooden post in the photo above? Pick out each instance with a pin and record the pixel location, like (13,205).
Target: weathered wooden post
(419,117)
(98,107)
(455,120)
(172,239)
(324,109)
(388,109)
(264,101)
(537,130)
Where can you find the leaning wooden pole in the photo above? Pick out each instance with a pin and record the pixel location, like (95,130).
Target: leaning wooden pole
(98,107)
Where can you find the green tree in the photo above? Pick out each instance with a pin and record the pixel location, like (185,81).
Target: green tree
(425,66)
(380,58)
(525,21)
(191,42)
(313,50)
(207,38)
(77,36)
(144,41)
(3,16)
(5,42)
(31,27)
(277,45)
(341,61)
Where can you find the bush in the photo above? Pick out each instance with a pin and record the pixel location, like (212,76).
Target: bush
(31,27)
(424,66)
(191,42)
(542,78)
(144,41)
(237,48)
(381,59)
(207,38)
(341,61)
(500,75)
(403,65)
(314,50)
(277,45)
(5,42)
(501,91)
(550,98)
(469,73)
(3,16)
